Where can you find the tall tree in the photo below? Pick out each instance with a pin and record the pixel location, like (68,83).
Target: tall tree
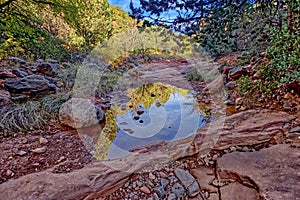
(229,24)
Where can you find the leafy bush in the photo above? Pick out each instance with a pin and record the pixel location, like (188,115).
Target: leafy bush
(194,76)
(19,39)
(249,88)
(284,55)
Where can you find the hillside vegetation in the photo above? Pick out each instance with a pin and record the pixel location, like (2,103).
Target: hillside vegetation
(55,29)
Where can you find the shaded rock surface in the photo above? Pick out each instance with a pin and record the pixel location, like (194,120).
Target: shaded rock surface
(6,73)
(29,85)
(20,73)
(237,72)
(79,113)
(4,98)
(273,171)
(16,60)
(252,127)
(48,69)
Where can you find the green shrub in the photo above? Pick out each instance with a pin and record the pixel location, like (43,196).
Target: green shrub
(194,76)
(249,88)
(284,55)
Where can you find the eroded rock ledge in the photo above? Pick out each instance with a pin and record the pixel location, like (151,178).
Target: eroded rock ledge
(274,171)
(101,178)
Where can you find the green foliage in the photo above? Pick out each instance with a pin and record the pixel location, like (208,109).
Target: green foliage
(52,103)
(121,21)
(194,76)
(249,88)
(43,29)
(22,31)
(230,29)
(154,40)
(284,55)
(245,86)
(107,83)
(21,39)
(95,22)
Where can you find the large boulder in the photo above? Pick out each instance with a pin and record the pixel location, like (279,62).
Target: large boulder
(79,113)
(30,85)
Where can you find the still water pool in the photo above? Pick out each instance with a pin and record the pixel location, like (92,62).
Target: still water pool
(154,112)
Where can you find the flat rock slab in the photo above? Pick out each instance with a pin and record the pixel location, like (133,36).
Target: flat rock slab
(205,177)
(236,191)
(252,127)
(90,182)
(273,171)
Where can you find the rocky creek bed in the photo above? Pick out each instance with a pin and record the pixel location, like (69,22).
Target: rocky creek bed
(260,159)
(251,154)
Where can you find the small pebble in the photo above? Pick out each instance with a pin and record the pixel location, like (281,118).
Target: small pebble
(150,183)
(163,175)
(126,184)
(160,191)
(21,153)
(178,190)
(139,183)
(39,150)
(155,196)
(134,184)
(232,149)
(24,141)
(206,195)
(9,173)
(164,182)
(172,196)
(295,129)
(145,190)
(43,140)
(245,149)
(61,159)
(151,176)
(286,125)
(215,157)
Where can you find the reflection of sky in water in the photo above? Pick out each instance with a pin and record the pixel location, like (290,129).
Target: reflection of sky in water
(175,120)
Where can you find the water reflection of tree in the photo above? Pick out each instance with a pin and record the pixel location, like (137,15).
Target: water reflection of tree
(149,94)
(145,96)
(108,134)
